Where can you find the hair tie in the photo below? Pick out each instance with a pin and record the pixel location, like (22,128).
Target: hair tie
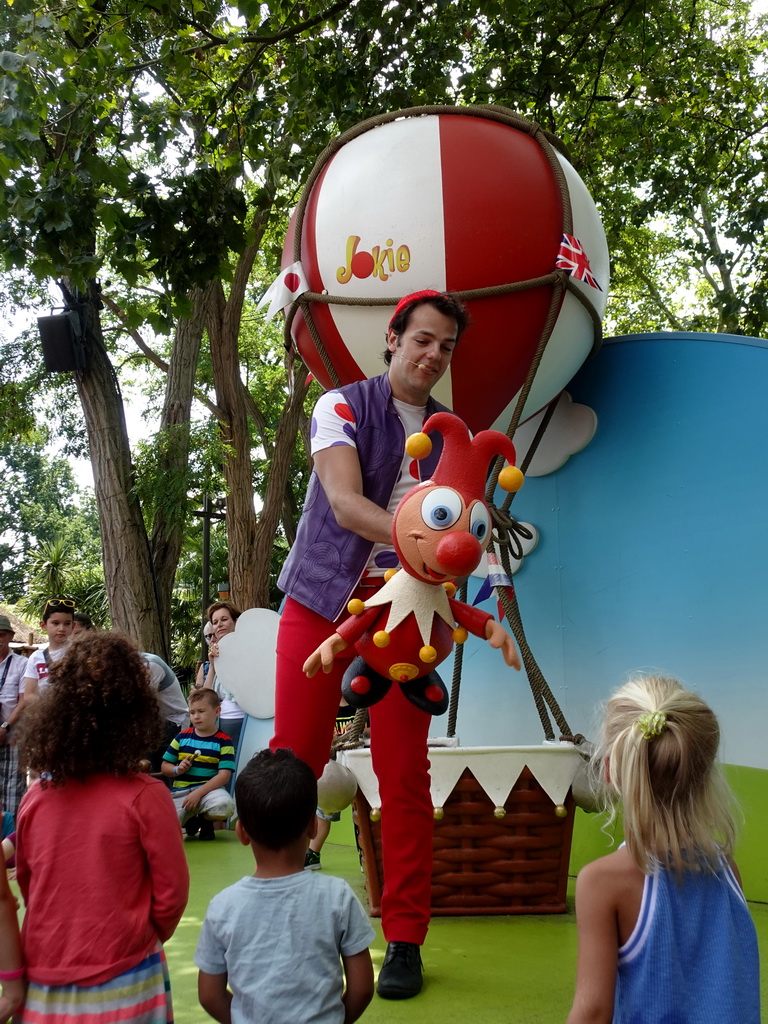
(651,724)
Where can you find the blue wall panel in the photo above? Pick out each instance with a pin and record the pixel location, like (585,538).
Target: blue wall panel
(653,551)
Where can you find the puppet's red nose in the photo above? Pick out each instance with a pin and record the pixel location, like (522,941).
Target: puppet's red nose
(458,553)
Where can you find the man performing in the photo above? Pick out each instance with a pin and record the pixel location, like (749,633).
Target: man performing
(342,550)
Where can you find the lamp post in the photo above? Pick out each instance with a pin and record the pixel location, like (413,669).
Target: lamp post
(209,511)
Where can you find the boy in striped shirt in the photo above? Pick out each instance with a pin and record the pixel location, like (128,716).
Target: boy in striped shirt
(201,761)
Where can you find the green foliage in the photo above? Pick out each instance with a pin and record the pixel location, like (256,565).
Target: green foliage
(35,403)
(140,140)
(40,505)
(187,614)
(662,107)
(57,567)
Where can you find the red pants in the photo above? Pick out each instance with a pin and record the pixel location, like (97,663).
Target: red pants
(305,713)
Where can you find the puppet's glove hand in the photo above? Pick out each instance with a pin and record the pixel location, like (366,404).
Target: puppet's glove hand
(498,637)
(324,655)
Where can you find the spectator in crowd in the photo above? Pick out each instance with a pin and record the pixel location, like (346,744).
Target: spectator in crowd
(100,861)
(12,671)
(280,945)
(57,622)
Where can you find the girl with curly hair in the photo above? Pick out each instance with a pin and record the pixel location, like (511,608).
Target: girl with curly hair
(664,930)
(100,861)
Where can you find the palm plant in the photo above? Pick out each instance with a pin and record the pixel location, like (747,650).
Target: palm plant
(56,569)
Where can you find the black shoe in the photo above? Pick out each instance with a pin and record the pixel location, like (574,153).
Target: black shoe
(206,831)
(400,976)
(312,861)
(192,826)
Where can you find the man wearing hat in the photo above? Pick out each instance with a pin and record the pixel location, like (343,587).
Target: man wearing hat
(12,668)
(343,548)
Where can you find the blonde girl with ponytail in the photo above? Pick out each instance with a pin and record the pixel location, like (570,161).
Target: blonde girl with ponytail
(665,933)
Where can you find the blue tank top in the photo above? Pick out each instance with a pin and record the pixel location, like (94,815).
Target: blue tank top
(692,957)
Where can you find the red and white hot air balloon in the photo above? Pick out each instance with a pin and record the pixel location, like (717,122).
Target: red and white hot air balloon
(459,200)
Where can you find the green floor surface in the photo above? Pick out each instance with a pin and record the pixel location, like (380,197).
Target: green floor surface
(498,970)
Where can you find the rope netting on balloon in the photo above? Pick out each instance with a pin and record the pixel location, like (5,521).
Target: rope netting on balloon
(508,533)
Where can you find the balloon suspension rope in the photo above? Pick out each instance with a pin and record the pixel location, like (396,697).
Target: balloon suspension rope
(353,736)
(508,534)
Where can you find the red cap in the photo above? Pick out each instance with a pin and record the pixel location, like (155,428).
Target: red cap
(408,300)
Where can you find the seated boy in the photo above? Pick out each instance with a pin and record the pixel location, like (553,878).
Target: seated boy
(201,761)
(270,944)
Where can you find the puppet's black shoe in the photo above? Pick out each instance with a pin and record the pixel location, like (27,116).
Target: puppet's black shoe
(363,686)
(401,973)
(428,694)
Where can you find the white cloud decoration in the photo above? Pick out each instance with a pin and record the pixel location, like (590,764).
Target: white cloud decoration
(246,662)
(569,431)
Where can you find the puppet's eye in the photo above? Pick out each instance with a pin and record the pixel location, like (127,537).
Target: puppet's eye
(441,508)
(479,521)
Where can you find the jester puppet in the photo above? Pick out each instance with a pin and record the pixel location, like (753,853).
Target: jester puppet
(440,530)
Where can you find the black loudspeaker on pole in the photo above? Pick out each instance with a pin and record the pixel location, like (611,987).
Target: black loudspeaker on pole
(63,340)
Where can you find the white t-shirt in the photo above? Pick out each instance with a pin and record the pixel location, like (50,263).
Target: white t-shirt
(167,688)
(37,666)
(279,941)
(13,668)
(333,423)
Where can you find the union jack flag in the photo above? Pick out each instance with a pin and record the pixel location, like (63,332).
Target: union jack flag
(573,260)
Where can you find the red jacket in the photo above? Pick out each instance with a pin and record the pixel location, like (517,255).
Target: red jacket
(102,870)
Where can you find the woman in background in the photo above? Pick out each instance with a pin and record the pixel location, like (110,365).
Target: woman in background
(222,616)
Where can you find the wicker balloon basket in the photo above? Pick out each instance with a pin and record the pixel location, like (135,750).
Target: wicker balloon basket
(486,860)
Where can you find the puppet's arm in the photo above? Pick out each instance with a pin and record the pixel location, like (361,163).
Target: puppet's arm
(347,632)
(324,655)
(499,638)
(487,628)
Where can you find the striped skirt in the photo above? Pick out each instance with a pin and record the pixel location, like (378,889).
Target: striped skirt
(141,995)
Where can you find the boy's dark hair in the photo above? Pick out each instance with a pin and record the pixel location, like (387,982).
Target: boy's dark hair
(58,604)
(276,796)
(204,694)
(444,303)
(85,620)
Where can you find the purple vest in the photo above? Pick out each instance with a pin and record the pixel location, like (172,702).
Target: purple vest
(326,561)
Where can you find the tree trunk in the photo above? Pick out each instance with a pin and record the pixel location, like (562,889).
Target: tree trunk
(274,496)
(173,460)
(250,539)
(223,331)
(125,547)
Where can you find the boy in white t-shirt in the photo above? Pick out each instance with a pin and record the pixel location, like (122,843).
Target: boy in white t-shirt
(280,945)
(57,622)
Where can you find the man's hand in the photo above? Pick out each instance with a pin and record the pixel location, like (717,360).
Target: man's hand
(499,638)
(324,655)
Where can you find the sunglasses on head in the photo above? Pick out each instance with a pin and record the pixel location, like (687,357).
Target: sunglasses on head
(59,602)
